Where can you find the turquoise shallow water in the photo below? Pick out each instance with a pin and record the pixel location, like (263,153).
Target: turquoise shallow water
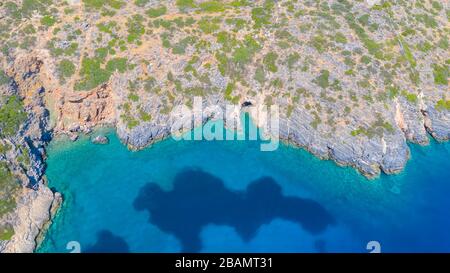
(231,197)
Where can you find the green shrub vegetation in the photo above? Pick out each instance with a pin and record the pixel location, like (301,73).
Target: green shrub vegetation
(320,43)
(157,12)
(212,6)
(242,55)
(141,3)
(260,75)
(377,128)
(107,27)
(270,62)
(128,118)
(289,110)
(12,115)
(56,51)
(373,47)
(4,148)
(29,29)
(323,79)
(136,28)
(443,105)
(209,25)
(229,93)
(227,40)
(98,4)
(262,15)
(246,51)
(92,74)
(4,79)
(180,47)
(133,97)
(119,64)
(407,52)
(340,38)
(26,9)
(48,20)
(145,117)
(185,4)
(410,96)
(6,233)
(238,23)
(441,74)
(8,186)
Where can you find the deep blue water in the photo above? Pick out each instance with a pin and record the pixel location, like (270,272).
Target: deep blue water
(228,196)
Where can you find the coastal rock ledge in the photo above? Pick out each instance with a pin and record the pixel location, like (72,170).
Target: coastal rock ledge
(23,156)
(33,212)
(356,86)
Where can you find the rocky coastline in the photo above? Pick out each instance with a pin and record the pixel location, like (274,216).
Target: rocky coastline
(357,99)
(35,202)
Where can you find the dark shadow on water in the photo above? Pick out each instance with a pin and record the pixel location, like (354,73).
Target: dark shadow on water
(199,198)
(107,242)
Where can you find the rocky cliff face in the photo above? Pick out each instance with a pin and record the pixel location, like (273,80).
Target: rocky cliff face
(35,207)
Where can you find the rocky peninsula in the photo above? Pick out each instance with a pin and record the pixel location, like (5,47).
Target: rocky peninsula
(355,82)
